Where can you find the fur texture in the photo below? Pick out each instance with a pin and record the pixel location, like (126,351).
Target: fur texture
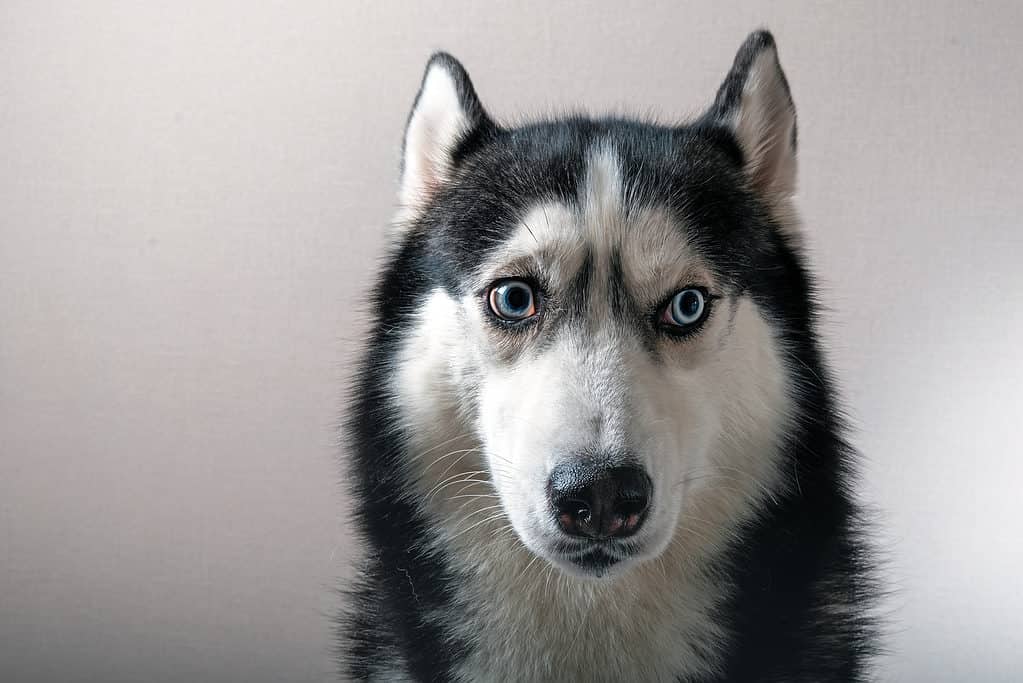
(749,564)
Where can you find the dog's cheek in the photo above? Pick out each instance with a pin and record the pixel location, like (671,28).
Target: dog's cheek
(498,435)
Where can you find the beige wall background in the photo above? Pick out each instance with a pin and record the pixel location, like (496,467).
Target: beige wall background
(192,202)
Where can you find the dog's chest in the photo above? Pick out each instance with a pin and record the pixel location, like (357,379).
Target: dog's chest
(539,625)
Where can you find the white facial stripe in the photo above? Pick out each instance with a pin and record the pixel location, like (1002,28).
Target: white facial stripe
(601,197)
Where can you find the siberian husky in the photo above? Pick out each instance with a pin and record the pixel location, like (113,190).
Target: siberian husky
(592,435)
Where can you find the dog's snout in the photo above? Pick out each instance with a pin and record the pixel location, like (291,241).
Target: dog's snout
(599,502)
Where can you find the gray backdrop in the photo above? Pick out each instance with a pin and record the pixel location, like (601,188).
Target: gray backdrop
(192,201)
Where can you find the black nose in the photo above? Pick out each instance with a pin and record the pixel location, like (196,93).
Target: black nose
(599,502)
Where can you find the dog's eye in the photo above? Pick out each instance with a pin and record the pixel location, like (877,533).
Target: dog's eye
(512,300)
(685,309)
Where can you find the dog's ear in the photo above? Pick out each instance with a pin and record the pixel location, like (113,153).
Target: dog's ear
(754,103)
(445,115)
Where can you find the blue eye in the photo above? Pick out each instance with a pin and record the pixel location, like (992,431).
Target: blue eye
(512,300)
(686,308)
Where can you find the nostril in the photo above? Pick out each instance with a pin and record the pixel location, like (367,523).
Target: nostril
(599,502)
(574,515)
(631,506)
(576,508)
(631,500)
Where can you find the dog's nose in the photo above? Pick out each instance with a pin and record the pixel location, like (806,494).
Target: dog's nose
(599,502)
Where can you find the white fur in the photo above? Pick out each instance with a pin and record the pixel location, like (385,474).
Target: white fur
(765,126)
(704,419)
(435,126)
(765,123)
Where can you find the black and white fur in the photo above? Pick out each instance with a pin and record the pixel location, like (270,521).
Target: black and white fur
(749,566)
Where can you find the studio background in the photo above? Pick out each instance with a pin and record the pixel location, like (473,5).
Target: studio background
(192,204)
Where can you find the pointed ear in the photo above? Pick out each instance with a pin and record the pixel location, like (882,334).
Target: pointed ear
(754,103)
(445,114)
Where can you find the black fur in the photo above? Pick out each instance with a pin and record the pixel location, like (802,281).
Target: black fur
(806,548)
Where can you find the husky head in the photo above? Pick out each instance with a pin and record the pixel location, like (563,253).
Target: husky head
(593,317)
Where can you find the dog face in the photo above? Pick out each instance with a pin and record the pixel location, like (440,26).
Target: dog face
(593,302)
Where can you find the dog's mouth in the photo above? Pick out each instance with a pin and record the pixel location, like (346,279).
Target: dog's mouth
(595,560)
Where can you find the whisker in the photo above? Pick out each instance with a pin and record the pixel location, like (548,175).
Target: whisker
(484,521)
(439,446)
(453,480)
(474,513)
(523,572)
(457,460)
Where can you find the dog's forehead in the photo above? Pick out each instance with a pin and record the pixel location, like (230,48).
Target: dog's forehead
(606,229)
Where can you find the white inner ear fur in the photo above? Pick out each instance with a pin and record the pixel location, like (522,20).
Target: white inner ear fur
(764,125)
(437,123)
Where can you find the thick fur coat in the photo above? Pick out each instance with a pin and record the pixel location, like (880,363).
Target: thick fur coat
(630,301)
